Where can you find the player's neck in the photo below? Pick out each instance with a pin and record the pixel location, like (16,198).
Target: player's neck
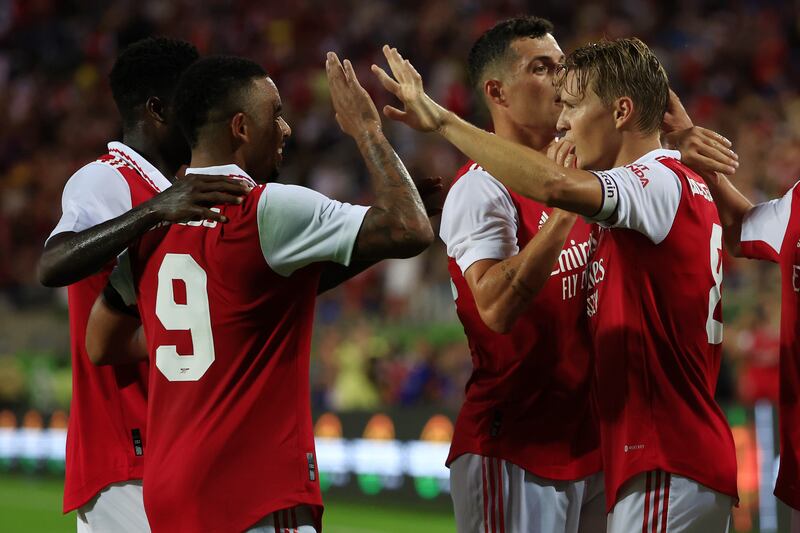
(537,139)
(635,146)
(145,147)
(206,156)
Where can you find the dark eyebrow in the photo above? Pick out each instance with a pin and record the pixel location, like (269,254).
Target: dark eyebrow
(545,59)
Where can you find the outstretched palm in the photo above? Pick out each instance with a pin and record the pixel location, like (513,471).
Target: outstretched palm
(419,110)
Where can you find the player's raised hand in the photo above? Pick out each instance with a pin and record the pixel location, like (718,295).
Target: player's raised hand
(563,153)
(355,110)
(419,110)
(704,151)
(431,191)
(192,197)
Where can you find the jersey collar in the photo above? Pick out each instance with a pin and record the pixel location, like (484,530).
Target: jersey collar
(142,165)
(659,152)
(231,171)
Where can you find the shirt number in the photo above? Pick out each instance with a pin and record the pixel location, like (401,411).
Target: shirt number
(194,315)
(714,327)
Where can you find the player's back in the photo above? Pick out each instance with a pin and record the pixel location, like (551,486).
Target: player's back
(227,311)
(229,406)
(655,312)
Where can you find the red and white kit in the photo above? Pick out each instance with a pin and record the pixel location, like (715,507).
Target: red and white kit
(771,231)
(227,311)
(654,307)
(525,454)
(106,434)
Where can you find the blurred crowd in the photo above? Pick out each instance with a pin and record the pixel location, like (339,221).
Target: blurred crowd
(736,66)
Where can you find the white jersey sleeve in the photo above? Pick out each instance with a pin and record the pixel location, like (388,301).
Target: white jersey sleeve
(641,197)
(94,194)
(764,228)
(479,220)
(298,226)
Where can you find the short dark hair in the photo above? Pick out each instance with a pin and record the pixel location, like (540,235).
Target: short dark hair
(493,45)
(212,84)
(146,68)
(622,67)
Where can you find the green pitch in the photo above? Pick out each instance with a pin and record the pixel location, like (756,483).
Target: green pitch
(32,505)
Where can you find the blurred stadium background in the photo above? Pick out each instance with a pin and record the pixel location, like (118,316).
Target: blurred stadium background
(390,360)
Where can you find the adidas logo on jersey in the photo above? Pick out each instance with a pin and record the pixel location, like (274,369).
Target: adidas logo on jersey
(543,219)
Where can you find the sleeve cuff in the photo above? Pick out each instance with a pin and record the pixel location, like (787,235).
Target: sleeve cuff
(351,227)
(480,253)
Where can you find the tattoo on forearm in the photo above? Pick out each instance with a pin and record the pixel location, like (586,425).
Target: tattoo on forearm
(398,202)
(509,272)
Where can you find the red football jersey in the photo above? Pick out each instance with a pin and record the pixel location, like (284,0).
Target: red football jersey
(107,422)
(528,399)
(228,318)
(655,313)
(771,231)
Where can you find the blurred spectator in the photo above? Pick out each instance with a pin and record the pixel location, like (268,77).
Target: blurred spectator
(736,67)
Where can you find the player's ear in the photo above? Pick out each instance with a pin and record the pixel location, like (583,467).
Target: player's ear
(155,108)
(493,91)
(623,111)
(239,128)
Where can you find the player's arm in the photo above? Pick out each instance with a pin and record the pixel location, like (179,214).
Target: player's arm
(518,167)
(702,150)
(333,275)
(114,334)
(503,290)
(396,224)
(79,247)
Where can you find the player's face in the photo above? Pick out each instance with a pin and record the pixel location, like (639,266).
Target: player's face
(589,124)
(529,89)
(269,131)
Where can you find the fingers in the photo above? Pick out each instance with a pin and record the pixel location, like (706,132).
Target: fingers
(216,198)
(388,83)
(207,183)
(333,68)
(349,73)
(208,214)
(707,164)
(429,185)
(713,138)
(395,114)
(713,135)
(562,153)
(395,62)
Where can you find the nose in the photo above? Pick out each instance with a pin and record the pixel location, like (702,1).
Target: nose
(563,122)
(285,129)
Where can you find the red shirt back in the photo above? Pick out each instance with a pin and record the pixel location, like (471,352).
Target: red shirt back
(109,404)
(528,399)
(656,320)
(231,439)
(772,232)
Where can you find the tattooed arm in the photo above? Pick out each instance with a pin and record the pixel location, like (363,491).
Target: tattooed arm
(396,225)
(503,290)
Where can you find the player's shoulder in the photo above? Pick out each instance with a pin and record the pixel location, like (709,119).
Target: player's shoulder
(100,173)
(474,179)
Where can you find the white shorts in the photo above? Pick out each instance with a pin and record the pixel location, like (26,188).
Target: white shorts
(119,508)
(491,495)
(298,519)
(660,502)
